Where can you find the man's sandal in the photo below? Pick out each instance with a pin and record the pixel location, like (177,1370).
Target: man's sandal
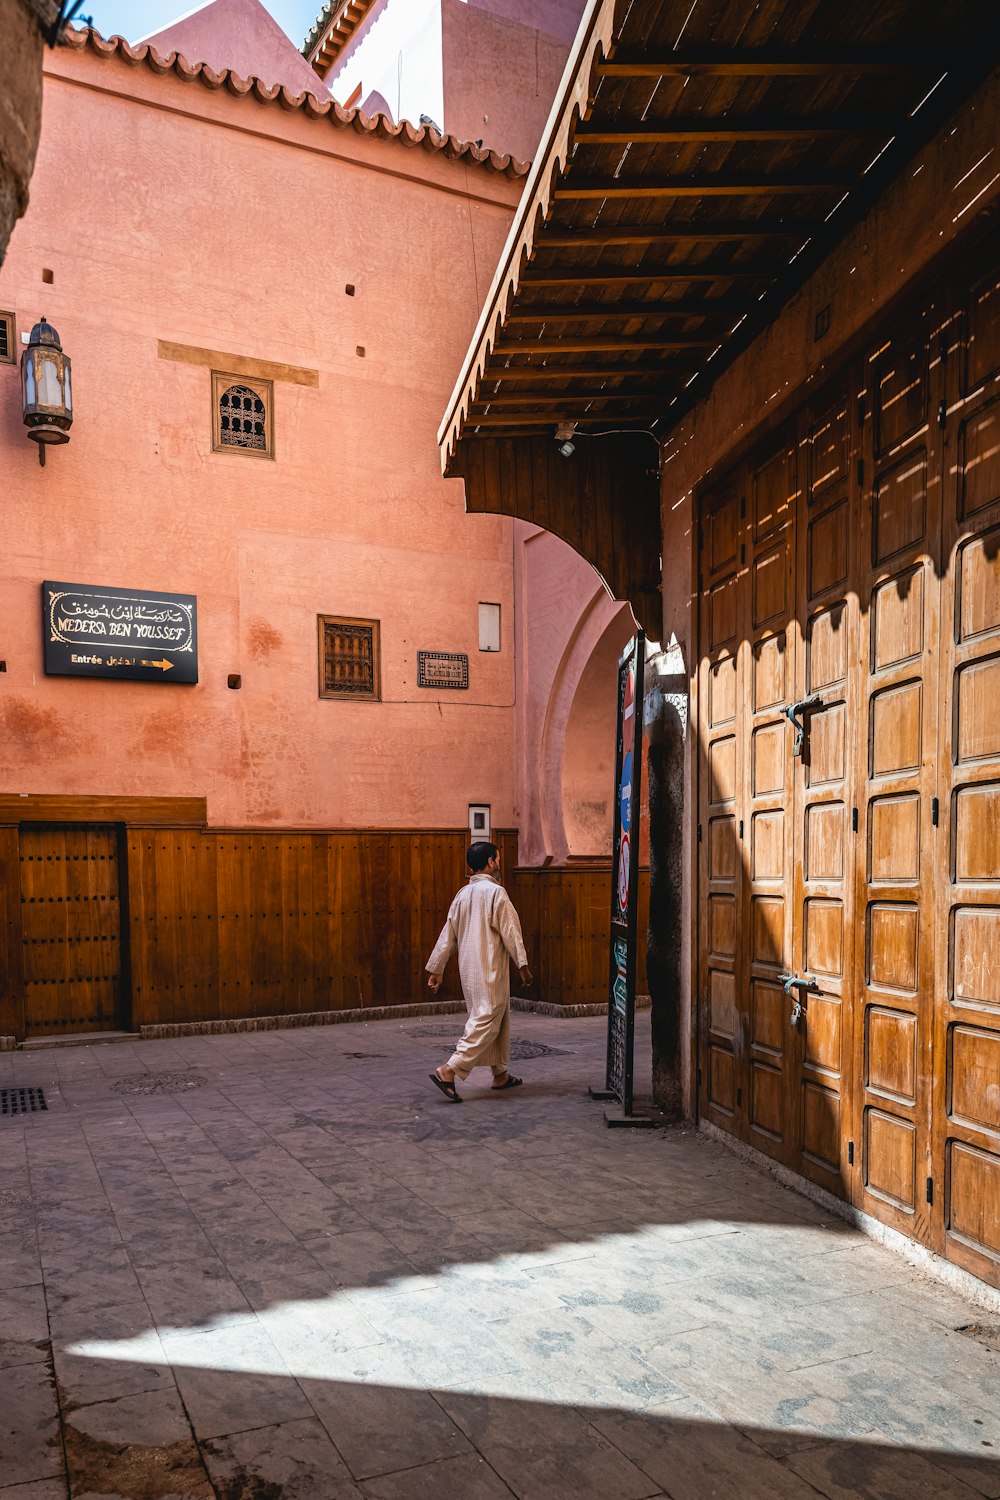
(512,1083)
(448,1089)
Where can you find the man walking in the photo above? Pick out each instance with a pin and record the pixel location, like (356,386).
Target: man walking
(483,928)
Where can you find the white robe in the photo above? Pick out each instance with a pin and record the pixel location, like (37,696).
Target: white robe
(484,930)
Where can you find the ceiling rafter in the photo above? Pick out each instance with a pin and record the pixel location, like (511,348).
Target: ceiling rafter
(602,343)
(596,277)
(769,62)
(585,312)
(719,232)
(708,185)
(697,129)
(539,374)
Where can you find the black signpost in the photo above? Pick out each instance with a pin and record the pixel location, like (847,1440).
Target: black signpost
(625,889)
(91,630)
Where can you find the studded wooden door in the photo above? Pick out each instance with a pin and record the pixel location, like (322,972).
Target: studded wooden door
(71,929)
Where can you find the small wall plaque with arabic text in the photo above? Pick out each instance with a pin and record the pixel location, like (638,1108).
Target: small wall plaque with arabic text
(442,669)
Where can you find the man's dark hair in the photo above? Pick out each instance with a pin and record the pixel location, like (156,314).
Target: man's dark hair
(478,855)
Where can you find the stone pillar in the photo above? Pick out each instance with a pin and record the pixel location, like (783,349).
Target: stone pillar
(20,106)
(666,719)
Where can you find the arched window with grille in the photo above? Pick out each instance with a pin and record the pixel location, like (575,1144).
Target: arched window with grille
(242,415)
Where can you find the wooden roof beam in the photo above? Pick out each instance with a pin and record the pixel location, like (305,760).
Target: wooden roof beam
(516,419)
(539,374)
(596,132)
(722,232)
(710,186)
(769,62)
(560,399)
(617,277)
(567,312)
(601,343)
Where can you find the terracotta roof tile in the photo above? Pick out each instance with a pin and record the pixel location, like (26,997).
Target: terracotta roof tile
(143,54)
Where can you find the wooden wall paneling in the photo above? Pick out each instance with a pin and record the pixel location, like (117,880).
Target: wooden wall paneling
(342,936)
(267,925)
(11,946)
(140,874)
(234,886)
(140,812)
(966,1105)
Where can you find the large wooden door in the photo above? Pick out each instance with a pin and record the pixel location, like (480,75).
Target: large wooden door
(895,932)
(849,732)
(71,929)
(966,1104)
(722,691)
(822,804)
(780,625)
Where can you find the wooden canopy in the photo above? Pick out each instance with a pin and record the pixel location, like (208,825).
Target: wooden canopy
(700,160)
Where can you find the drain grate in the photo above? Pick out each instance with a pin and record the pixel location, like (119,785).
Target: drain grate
(21,1102)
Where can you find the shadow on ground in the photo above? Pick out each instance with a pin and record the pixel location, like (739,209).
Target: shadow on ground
(280,1267)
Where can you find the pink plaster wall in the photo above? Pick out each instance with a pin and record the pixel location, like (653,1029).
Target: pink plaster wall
(499,66)
(503,60)
(569,635)
(168,211)
(242,35)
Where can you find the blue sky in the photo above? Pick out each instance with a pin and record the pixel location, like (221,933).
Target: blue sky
(132,20)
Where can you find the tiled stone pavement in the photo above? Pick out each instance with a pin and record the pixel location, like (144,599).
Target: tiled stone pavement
(279,1266)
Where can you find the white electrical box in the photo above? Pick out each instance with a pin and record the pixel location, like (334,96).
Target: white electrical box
(479,820)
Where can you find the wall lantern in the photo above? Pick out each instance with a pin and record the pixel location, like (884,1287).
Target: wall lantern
(46,397)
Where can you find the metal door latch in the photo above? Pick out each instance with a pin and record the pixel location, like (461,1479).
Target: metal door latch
(795,988)
(793,713)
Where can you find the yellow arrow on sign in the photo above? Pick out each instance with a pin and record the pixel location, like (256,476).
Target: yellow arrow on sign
(165,666)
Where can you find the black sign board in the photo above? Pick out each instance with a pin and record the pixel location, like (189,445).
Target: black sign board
(625,876)
(95,631)
(442,669)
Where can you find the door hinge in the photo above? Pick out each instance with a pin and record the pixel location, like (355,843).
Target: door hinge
(699,833)
(741,828)
(743,507)
(942,414)
(930,1190)
(739,1097)
(854,820)
(861,471)
(698,1078)
(850,1153)
(743,552)
(935,812)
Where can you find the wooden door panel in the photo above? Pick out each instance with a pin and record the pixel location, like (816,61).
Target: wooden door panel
(967,988)
(899,588)
(71,929)
(767,799)
(722,689)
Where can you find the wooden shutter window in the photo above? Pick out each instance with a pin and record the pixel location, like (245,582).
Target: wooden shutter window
(8,352)
(349,658)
